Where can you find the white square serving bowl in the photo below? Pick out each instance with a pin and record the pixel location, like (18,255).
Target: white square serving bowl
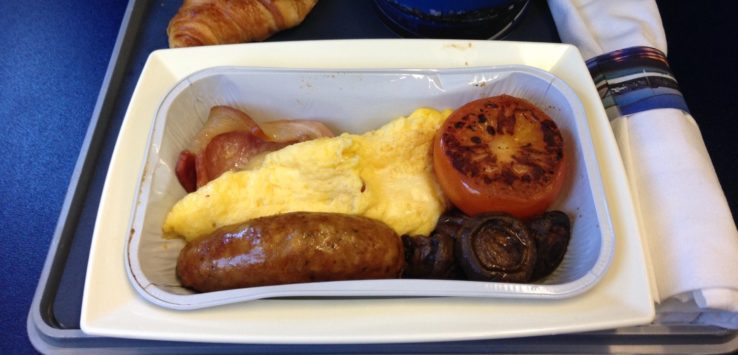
(113,307)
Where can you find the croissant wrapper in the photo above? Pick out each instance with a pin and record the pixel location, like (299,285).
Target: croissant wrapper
(207,22)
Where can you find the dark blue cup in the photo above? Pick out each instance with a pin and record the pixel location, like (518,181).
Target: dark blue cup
(461,19)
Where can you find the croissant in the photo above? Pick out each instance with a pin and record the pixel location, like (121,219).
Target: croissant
(206,22)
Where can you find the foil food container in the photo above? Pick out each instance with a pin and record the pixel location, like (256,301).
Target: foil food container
(358,101)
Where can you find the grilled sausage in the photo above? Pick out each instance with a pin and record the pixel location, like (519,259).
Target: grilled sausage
(291,248)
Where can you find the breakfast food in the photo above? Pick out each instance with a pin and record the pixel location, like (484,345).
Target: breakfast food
(552,232)
(208,22)
(232,140)
(291,248)
(432,257)
(496,247)
(489,247)
(287,202)
(500,154)
(384,174)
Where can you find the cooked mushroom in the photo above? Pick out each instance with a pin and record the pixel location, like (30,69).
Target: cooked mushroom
(496,247)
(552,231)
(489,247)
(433,257)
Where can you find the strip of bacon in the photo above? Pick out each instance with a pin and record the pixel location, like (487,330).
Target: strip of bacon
(230,151)
(230,139)
(185,170)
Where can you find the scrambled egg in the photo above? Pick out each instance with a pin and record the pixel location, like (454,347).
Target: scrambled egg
(386,174)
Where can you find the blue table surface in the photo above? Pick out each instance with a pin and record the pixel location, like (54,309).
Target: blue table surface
(53,58)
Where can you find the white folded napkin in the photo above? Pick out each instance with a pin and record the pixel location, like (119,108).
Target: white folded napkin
(691,236)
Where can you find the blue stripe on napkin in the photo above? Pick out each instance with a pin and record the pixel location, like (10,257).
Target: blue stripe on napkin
(633,80)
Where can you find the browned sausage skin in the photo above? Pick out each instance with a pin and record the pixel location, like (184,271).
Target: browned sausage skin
(291,248)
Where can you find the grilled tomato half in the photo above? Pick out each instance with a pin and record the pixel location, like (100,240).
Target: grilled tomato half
(500,154)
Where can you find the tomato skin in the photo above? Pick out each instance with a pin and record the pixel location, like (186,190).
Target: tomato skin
(474,196)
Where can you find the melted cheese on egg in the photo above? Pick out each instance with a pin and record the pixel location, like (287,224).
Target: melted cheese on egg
(386,174)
